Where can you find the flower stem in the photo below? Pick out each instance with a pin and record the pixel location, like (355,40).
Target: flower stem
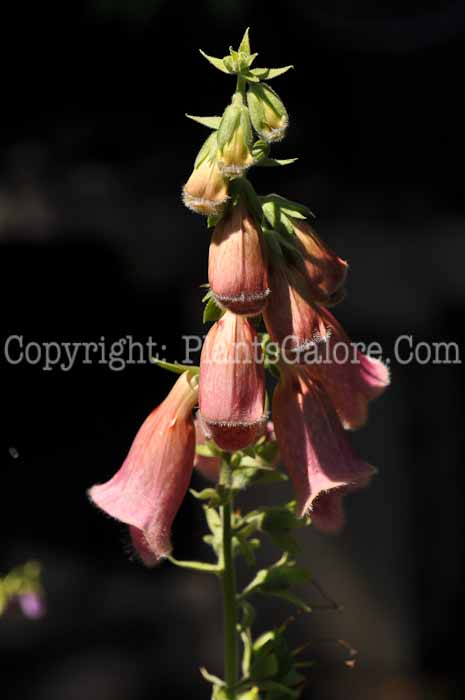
(229,590)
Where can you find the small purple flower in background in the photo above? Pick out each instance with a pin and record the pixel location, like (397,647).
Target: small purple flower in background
(21,588)
(32,605)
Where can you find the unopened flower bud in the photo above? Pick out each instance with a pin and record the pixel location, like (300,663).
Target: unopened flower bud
(235,140)
(325,270)
(232,384)
(290,317)
(237,270)
(206,191)
(267,112)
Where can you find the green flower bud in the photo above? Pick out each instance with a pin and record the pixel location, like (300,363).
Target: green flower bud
(267,112)
(235,140)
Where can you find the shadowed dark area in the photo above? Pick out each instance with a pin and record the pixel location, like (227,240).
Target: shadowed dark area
(95,243)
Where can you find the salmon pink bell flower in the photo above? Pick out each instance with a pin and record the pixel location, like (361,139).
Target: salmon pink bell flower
(237,270)
(326,272)
(232,383)
(314,448)
(148,489)
(291,319)
(350,378)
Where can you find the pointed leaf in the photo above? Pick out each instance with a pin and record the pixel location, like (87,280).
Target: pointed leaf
(245,42)
(211,678)
(212,312)
(210,122)
(273,162)
(269,73)
(175,367)
(217,62)
(292,598)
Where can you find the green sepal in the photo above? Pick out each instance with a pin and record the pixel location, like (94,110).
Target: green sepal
(249,76)
(229,122)
(219,63)
(269,73)
(260,150)
(208,149)
(175,367)
(212,312)
(244,122)
(275,204)
(241,187)
(210,122)
(214,219)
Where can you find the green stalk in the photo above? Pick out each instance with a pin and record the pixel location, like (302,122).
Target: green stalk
(229,590)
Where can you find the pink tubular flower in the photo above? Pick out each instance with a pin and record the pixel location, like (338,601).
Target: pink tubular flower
(350,378)
(147,491)
(314,448)
(236,268)
(232,383)
(326,272)
(290,317)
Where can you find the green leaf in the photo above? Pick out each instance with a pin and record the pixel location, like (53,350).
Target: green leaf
(175,367)
(275,162)
(211,678)
(245,42)
(210,122)
(246,548)
(292,598)
(279,687)
(269,73)
(278,577)
(217,62)
(204,495)
(212,312)
(213,519)
(196,565)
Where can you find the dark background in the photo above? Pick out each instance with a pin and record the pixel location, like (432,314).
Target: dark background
(95,242)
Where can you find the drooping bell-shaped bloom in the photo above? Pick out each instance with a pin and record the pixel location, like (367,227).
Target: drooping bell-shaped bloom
(237,269)
(209,467)
(206,191)
(351,378)
(291,319)
(148,489)
(232,383)
(326,272)
(314,447)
